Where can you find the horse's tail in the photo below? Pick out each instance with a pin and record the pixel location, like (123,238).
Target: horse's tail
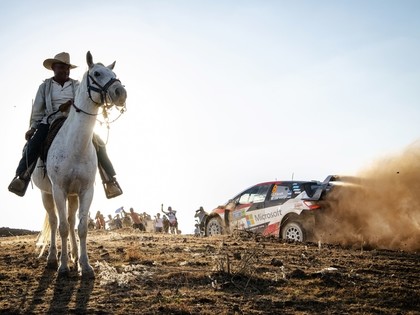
(44,236)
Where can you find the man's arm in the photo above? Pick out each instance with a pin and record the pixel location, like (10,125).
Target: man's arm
(39,107)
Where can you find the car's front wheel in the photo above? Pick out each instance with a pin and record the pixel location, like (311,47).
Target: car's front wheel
(214,227)
(293,231)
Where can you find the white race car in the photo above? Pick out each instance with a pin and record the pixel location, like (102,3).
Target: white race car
(282,208)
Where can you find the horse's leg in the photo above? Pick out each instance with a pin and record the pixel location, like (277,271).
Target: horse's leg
(85,202)
(49,206)
(72,208)
(60,199)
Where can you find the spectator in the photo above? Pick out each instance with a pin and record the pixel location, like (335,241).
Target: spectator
(146,218)
(137,220)
(165,224)
(118,222)
(126,219)
(173,222)
(100,221)
(158,223)
(91,223)
(110,222)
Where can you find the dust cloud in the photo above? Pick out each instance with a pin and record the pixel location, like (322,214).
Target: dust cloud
(379,208)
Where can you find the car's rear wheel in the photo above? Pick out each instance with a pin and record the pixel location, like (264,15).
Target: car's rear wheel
(214,227)
(293,231)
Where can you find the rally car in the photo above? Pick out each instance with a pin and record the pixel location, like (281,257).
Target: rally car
(286,209)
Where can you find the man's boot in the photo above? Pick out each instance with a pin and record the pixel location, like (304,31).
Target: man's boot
(19,185)
(111,186)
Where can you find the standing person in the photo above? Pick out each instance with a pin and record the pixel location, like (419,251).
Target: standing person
(173,222)
(91,223)
(126,219)
(137,220)
(110,222)
(118,222)
(53,100)
(165,224)
(100,221)
(145,219)
(158,223)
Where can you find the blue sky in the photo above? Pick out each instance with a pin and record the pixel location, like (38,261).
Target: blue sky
(221,94)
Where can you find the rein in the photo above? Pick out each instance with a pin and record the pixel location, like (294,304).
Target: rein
(78,110)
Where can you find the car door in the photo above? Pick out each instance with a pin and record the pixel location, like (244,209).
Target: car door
(252,199)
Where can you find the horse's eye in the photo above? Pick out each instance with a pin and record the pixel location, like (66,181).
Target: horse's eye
(96,74)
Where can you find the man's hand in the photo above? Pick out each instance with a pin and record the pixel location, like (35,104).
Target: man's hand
(65,107)
(29,134)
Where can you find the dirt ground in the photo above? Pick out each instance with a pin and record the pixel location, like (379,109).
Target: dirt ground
(145,273)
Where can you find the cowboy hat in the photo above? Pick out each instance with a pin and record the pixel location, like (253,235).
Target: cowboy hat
(59,58)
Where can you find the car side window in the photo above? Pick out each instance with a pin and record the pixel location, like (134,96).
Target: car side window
(280,192)
(254,194)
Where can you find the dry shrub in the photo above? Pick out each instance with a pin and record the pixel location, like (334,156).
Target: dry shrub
(234,263)
(133,254)
(109,275)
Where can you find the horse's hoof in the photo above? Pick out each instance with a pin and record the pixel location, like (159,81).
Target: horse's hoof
(63,272)
(52,264)
(88,274)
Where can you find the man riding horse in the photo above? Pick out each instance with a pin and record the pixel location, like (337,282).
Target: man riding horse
(53,99)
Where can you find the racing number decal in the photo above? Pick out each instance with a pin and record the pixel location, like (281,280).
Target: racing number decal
(273,191)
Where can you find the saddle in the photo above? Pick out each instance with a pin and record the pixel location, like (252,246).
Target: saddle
(52,132)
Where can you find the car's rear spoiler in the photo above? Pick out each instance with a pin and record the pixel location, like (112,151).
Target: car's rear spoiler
(322,188)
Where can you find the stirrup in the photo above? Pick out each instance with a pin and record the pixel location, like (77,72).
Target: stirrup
(112,188)
(18,186)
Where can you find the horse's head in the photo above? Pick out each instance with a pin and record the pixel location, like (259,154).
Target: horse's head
(103,86)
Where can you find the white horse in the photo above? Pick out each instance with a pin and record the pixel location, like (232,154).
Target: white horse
(71,167)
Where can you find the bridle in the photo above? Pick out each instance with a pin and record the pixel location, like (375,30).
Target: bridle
(102,90)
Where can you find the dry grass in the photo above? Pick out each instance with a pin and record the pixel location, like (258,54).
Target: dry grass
(239,274)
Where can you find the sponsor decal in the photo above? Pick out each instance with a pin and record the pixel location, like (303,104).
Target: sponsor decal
(296,189)
(258,228)
(269,215)
(250,220)
(238,214)
(273,191)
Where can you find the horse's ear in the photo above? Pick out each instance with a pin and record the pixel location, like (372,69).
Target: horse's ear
(89,59)
(112,65)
